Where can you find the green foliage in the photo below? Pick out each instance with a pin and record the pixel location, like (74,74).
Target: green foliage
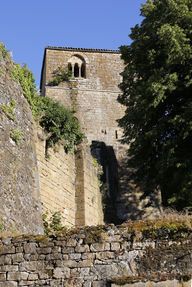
(60,75)
(1,224)
(60,122)
(16,135)
(9,109)
(52,224)
(54,117)
(4,52)
(156,89)
(95,162)
(0,71)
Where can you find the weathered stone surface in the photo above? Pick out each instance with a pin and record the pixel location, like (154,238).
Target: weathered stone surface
(5,259)
(61,272)
(20,204)
(31,266)
(7,249)
(17,276)
(8,284)
(82,248)
(33,277)
(95,266)
(30,248)
(17,258)
(2,276)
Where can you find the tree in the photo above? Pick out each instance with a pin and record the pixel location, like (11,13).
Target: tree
(157,93)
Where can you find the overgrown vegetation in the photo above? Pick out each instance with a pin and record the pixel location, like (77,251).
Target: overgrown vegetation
(4,52)
(172,225)
(54,117)
(60,75)
(16,135)
(154,278)
(52,223)
(9,110)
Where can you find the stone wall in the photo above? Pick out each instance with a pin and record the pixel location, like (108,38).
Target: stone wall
(94,256)
(20,207)
(69,183)
(57,179)
(94,96)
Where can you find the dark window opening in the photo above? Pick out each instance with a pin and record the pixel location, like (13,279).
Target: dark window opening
(83,71)
(116,135)
(76,70)
(105,132)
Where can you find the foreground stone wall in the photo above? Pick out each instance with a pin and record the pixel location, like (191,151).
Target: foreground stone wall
(92,257)
(20,204)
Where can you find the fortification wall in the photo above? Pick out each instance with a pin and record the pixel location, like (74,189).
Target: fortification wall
(69,183)
(20,207)
(57,179)
(94,257)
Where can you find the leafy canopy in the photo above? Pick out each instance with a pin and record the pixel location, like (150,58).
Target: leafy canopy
(157,93)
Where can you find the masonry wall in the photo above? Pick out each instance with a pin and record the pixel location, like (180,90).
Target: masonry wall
(95,97)
(69,183)
(94,257)
(88,196)
(20,204)
(57,179)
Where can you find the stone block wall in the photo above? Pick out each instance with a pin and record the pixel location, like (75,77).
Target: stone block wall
(94,257)
(20,207)
(57,179)
(69,183)
(94,96)
(88,196)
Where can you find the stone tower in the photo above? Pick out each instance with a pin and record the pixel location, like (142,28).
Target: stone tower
(93,91)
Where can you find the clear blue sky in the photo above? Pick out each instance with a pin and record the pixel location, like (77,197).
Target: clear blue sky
(27,27)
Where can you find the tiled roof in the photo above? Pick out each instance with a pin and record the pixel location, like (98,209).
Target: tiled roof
(82,49)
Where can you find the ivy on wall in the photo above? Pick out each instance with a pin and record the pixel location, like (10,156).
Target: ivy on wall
(60,75)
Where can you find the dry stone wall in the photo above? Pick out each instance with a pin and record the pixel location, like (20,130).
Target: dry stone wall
(20,207)
(93,257)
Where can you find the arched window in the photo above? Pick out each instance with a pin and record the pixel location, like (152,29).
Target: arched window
(77,65)
(83,74)
(76,70)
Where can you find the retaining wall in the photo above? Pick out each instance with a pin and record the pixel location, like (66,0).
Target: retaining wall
(93,256)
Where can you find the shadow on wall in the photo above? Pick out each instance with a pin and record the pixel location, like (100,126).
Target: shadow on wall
(110,187)
(121,196)
(129,204)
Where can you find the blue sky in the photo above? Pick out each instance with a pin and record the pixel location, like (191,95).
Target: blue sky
(27,27)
